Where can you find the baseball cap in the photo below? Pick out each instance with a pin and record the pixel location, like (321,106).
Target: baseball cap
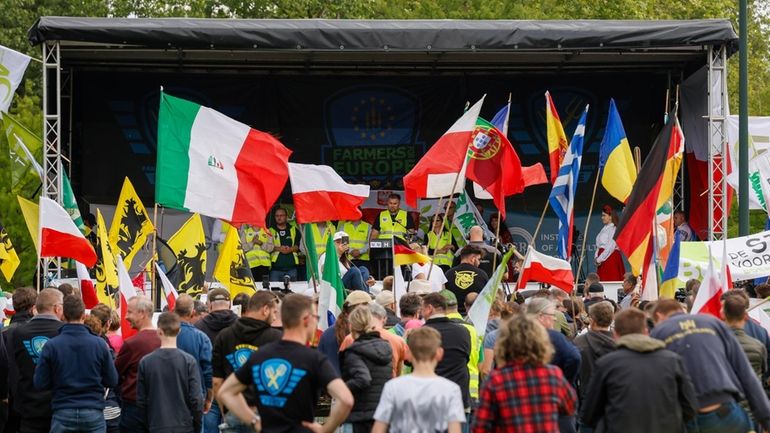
(341,236)
(219,295)
(420,287)
(385,298)
(357,297)
(451,299)
(596,288)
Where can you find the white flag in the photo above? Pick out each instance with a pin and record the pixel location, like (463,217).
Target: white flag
(478,314)
(12,67)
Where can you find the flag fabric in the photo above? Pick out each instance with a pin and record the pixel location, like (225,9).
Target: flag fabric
(31,213)
(530,174)
(671,272)
(546,269)
(9,260)
(332,291)
(169,292)
(615,160)
(434,174)
(127,291)
(399,287)
(70,204)
(478,314)
(59,237)
(232,269)
(87,289)
(12,67)
(320,194)
(311,253)
(106,268)
(653,187)
(31,159)
(562,197)
(131,225)
(707,301)
(216,166)
(189,245)
(650,274)
(557,139)
(20,164)
(403,255)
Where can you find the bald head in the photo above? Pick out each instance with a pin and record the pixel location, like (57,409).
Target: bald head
(476,234)
(184,307)
(50,301)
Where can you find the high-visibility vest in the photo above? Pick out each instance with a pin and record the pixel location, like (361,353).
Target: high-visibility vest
(435,242)
(388,227)
(475,355)
(257,256)
(277,240)
(320,240)
(456,234)
(359,236)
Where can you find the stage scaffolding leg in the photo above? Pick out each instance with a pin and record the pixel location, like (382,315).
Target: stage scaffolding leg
(52,164)
(717,137)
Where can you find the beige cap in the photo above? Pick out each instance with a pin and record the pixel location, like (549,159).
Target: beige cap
(357,297)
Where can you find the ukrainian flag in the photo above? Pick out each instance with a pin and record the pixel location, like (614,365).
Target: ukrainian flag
(669,280)
(615,160)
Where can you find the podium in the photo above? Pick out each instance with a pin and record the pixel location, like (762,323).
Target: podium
(381,258)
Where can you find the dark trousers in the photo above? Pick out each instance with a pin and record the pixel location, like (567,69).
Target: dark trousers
(130,419)
(34,425)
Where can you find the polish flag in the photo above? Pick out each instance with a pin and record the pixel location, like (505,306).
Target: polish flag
(436,172)
(59,237)
(127,291)
(546,269)
(169,292)
(87,289)
(708,300)
(320,194)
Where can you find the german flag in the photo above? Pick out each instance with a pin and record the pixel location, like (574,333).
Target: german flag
(653,186)
(403,255)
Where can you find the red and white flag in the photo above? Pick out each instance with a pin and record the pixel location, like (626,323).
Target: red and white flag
(320,194)
(436,172)
(87,289)
(59,237)
(546,269)
(708,300)
(127,291)
(169,292)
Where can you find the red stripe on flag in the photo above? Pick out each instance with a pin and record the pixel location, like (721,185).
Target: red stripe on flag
(320,206)
(126,330)
(54,243)
(447,155)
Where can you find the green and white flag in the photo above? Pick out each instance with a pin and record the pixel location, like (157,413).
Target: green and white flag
(332,292)
(70,204)
(479,311)
(21,142)
(12,67)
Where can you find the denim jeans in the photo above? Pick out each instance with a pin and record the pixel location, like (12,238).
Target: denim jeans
(234,425)
(78,421)
(130,419)
(278,275)
(729,418)
(212,419)
(355,278)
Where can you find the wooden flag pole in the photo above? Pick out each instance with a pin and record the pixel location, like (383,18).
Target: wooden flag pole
(539,223)
(497,230)
(585,231)
(448,202)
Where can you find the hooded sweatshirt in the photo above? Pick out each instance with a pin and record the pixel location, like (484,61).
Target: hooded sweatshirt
(215,322)
(592,345)
(641,387)
(235,344)
(366,366)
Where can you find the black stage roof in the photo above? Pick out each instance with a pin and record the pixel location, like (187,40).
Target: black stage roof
(382,44)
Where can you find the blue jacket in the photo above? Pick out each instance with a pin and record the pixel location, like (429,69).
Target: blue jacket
(76,366)
(328,345)
(566,356)
(195,342)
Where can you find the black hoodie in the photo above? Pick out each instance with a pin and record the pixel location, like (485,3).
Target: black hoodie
(215,322)
(366,366)
(235,344)
(592,345)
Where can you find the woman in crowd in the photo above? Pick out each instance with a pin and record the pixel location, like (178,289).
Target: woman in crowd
(609,262)
(99,321)
(366,366)
(113,331)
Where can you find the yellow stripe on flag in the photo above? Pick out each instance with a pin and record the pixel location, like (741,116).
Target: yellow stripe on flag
(31,212)
(619,173)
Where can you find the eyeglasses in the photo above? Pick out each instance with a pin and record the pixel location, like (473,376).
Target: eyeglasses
(548,314)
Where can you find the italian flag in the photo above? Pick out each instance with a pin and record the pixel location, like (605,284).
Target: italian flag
(59,237)
(331,295)
(436,172)
(216,166)
(320,194)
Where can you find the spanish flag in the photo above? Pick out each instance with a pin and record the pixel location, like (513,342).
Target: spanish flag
(653,188)
(557,140)
(9,260)
(615,160)
(232,269)
(189,245)
(403,255)
(131,224)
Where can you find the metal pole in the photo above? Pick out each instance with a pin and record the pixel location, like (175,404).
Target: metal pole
(743,122)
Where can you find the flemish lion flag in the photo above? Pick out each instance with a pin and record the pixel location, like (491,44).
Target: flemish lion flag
(131,224)
(31,212)
(232,269)
(189,245)
(106,268)
(9,260)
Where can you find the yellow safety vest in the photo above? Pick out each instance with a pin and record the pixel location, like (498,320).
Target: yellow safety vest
(475,358)
(445,239)
(320,241)
(388,228)
(277,240)
(456,234)
(257,256)
(359,236)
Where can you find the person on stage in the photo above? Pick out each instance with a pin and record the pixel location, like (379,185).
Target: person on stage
(609,262)
(353,277)
(393,221)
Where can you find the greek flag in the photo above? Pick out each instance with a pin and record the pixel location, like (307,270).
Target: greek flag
(562,199)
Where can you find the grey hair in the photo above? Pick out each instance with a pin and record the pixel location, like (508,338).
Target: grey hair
(143,304)
(539,306)
(557,293)
(377,310)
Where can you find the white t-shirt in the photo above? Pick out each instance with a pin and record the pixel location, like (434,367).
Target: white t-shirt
(420,404)
(437,277)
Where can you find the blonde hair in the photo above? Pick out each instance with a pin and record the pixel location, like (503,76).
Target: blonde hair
(523,339)
(360,320)
(423,343)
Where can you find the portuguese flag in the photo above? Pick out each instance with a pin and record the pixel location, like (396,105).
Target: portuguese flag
(213,165)
(403,255)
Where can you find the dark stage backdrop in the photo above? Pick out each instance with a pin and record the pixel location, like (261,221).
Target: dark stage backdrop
(371,129)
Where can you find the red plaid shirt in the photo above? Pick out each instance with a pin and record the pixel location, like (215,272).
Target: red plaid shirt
(523,398)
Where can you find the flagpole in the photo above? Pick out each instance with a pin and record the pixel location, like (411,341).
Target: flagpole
(539,223)
(585,231)
(153,255)
(497,230)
